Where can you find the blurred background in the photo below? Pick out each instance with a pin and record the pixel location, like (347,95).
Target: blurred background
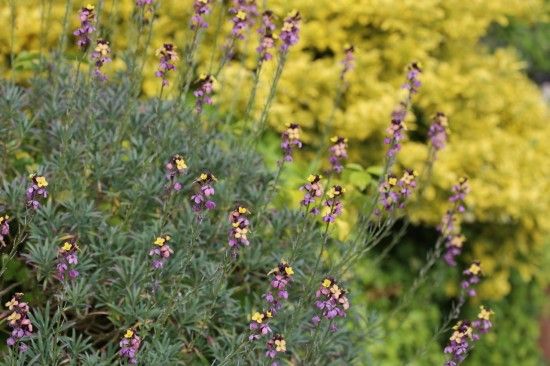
(486,64)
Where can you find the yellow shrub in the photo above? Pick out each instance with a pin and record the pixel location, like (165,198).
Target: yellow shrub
(498,121)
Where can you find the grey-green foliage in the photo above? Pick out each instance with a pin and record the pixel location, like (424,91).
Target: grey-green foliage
(103,152)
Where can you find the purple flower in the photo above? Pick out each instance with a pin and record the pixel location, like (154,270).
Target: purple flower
(313,190)
(438,133)
(281,278)
(167,57)
(290,33)
(67,259)
(259,325)
(394,193)
(413,83)
(18,321)
(4,229)
(460,191)
(238,234)
(348,63)
(129,346)
(290,139)
(36,190)
(338,153)
(204,89)
(202,8)
(87,19)
(161,251)
(143,2)
(201,199)
(471,278)
(244,12)
(333,205)
(331,301)
(175,167)
(450,225)
(267,38)
(464,335)
(100,56)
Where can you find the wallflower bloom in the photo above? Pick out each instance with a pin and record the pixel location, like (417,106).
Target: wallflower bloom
(4,228)
(259,325)
(331,302)
(338,153)
(450,225)
(161,251)
(87,19)
(67,259)
(413,83)
(202,8)
(167,58)
(471,277)
(274,346)
(18,321)
(143,2)
(238,234)
(438,132)
(201,200)
(395,192)
(37,189)
(267,37)
(290,139)
(100,57)
(129,346)
(282,277)
(204,89)
(244,12)
(290,33)
(175,167)
(465,334)
(313,190)
(333,205)
(348,62)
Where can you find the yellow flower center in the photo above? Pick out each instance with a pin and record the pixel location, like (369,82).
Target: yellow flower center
(280,345)
(241,15)
(327,283)
(67,246)
(160,241)
(180,164)
(129,333)
(474,269)
(41,182)
(242,210)
(289,271)
(258,317)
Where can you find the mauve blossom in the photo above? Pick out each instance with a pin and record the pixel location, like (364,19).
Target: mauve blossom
(87,19)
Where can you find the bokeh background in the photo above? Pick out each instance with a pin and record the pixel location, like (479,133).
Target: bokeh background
(486,65)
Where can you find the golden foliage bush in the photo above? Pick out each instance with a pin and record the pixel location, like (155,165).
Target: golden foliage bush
(498,120)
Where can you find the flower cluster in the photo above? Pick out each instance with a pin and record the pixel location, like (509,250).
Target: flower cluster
(67,259)
(394,192)
(100,56)
(161,251)
(4,228)
(450,225)
(438,132)
(290,140)
(348,62)
(331,301)
(201,201)
(274,346)
(413,83)
(202,8)
(282,276)
(36,190)
(471,277)
(267,37)
(174,168)
(204,90)
(129,346)
(244,12)
(167,57)
(290,32)
(333,205)
(259,325)
(87,19)
(18,321)
(239,229)
(396,130)
(313,190)
(338,152)
(464,334)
